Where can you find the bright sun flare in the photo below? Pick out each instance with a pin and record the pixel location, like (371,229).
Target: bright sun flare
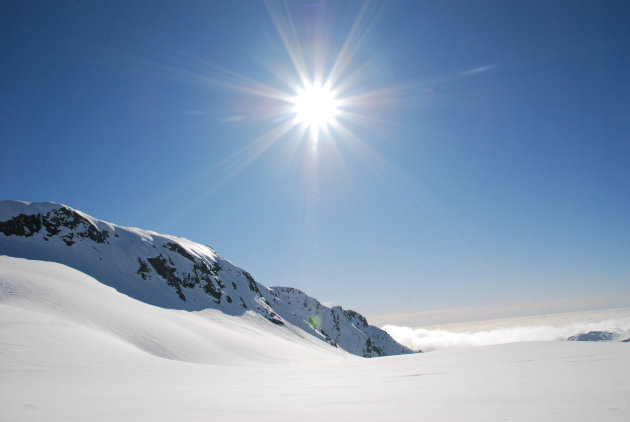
(315,106)
(319,99)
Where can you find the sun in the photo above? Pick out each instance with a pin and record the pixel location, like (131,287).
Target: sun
(315,106)
(321,95)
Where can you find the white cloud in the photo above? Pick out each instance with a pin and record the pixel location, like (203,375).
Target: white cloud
(542,328)
(480,69)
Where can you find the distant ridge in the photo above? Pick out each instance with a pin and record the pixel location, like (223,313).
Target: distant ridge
(173,272)
(594,336)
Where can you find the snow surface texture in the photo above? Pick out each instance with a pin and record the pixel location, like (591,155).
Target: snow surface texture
(73,349)
(596,325)
(175,273)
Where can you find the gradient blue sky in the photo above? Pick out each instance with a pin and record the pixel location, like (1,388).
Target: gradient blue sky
(489,167)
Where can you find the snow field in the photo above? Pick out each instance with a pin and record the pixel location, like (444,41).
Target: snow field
(72,349)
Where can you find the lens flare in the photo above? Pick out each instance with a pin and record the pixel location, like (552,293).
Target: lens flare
(322,94)
(315,321)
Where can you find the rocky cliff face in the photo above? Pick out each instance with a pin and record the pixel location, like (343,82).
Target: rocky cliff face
(176,273)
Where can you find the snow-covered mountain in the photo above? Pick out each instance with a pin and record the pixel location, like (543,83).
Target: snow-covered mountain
(175,273)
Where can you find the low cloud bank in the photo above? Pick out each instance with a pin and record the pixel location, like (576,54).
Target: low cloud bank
(433,339)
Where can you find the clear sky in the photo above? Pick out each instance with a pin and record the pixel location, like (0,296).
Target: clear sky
(479,157)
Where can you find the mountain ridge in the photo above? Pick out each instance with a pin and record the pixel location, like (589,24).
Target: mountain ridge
(174,272)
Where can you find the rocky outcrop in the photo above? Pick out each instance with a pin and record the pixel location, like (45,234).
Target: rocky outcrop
(594,336)
(75,227)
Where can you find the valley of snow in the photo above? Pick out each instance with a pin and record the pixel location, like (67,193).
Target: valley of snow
(73,349)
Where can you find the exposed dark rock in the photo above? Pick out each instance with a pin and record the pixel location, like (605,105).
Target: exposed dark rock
(207,275)
(371,348)
(82,227)
(216,267)
(143,270)
(21,225)
(174,247)
(328,339)
(351,315)
(53,221)
(275,319)
(594,336)
(210,289)
(168,273)
(219,282)
(252,283)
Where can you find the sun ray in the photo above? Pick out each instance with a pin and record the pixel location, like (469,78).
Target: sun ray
(312,99)
(214,75)
(351,46)
(221,172)
(239,160)
(286,29)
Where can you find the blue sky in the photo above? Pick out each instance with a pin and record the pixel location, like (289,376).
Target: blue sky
(484,163)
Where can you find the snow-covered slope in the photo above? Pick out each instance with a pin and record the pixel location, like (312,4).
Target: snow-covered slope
(79,304)
(174,273)
(336,325)
(72,349)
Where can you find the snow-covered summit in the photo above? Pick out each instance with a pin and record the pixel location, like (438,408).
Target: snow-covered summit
(175,273)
